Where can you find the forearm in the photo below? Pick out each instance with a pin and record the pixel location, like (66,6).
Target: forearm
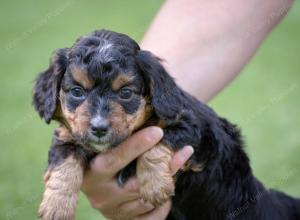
(206,43)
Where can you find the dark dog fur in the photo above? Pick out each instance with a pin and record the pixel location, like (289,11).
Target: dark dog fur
(102,90)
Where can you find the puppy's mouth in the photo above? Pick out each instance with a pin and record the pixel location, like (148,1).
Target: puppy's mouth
(101,144)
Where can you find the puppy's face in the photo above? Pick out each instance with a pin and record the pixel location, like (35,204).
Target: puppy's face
(103,88)
(101,110)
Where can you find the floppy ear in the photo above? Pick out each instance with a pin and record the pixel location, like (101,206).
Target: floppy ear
(47,85)
(166,96)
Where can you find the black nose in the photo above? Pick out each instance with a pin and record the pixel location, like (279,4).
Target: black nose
(99,128)
(99,131)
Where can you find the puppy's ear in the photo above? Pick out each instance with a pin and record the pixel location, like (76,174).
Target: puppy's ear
(47,86)
(165,95)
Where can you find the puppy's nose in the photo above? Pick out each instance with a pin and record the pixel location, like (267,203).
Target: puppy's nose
(99,127)
(99,131)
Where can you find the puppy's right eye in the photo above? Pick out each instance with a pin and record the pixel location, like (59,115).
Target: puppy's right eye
(125,93)
(77,92)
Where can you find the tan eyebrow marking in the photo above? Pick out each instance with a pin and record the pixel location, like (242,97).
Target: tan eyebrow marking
(120,81)
(81,76)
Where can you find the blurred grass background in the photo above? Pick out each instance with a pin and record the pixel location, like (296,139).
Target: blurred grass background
(263,100)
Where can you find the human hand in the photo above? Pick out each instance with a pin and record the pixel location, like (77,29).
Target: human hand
(115,202)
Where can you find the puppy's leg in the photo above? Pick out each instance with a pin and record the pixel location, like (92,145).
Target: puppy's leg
(62,186)
(155,176)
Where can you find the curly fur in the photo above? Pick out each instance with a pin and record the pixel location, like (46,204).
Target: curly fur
(224,188)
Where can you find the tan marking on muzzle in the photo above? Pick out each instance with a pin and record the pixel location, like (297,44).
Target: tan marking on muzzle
(139,118)
(117,118)
(123,123)
(78,121)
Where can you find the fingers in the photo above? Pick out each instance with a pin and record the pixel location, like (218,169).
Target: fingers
(160,213)
(106,194)
(132,185)
(180,158)
(134,208)
(119,157)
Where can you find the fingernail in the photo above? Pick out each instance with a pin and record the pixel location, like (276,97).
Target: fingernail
(155,133)
(188,151)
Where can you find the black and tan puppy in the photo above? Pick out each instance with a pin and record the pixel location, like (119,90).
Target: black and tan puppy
(103,89)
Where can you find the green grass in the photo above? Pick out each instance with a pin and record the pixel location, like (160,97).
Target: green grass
(263,100)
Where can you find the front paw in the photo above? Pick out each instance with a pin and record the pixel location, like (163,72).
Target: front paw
(57,206)
(157,189)
(154,175)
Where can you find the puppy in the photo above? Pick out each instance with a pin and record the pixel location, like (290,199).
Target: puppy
(103,89)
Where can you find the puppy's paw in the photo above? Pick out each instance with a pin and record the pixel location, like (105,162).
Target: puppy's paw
(157,189)
(62,187)
(57,206)
(155,176)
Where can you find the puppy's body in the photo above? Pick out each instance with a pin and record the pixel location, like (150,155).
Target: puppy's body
(105,88)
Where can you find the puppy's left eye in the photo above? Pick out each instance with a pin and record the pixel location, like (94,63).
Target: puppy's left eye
(125,93)
(77,92)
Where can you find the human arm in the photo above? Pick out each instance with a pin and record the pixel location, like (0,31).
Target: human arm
(206,43)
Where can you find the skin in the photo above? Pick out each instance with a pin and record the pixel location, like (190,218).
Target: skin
(114,202)
(210,41)
(214,41)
